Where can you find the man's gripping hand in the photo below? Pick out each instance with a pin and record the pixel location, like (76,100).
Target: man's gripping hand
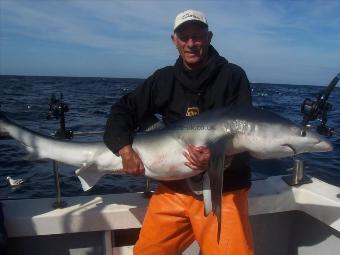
(198,157)
(132,164)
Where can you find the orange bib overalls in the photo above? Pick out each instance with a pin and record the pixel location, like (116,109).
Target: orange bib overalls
(174,220)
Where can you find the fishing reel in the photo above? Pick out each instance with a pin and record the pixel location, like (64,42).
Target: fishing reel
(311,111)
(319,109)
(57,110)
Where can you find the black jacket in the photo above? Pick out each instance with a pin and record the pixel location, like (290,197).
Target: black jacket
(171,92)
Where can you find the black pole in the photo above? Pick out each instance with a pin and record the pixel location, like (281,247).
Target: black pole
(331,86)
(59,203)
(57,109)
(62,122)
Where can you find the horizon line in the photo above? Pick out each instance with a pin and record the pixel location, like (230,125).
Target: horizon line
(136,78)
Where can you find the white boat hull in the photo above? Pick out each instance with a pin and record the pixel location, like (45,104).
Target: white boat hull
(286,220)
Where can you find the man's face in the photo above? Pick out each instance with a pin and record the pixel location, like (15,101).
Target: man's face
(192,41)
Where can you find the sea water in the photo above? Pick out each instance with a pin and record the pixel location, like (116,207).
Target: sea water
(26,101)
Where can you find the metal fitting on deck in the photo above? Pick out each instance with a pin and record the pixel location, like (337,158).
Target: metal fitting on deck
(298,177)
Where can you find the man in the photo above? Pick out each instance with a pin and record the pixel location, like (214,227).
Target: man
(200,80)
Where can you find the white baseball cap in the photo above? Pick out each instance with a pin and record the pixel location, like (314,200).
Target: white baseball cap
(190,15)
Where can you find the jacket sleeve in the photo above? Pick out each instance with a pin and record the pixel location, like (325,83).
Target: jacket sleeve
(242,91)
(127,113)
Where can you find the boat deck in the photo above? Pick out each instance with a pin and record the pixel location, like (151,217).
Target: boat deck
(285,220)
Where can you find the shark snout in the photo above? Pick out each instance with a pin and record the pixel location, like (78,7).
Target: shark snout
(323,146)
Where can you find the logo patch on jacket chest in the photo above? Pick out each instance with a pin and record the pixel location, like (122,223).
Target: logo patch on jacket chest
(192,111)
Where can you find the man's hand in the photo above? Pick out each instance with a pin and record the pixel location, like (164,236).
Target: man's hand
(132,164)
(198,157)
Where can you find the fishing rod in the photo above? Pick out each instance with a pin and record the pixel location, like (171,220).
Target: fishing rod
(319,108)
(312,110)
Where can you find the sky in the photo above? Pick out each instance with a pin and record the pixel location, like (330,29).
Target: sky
(286,42)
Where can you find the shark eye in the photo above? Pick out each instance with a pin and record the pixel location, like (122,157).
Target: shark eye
(303,133)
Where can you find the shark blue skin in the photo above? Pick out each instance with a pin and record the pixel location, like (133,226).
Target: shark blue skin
(264,135)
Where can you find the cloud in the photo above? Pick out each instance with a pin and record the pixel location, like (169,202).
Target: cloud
(274,40)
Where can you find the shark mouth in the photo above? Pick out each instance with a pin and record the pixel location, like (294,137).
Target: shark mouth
(290,147)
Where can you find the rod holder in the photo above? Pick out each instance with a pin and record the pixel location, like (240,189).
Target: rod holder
(147,191)
(58,203)
(298,177)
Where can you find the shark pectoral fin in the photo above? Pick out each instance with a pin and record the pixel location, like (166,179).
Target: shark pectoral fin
(88,175)
(215,172)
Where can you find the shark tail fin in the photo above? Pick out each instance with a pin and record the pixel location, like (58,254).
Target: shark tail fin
(3,118)
(3,115)
(88,175)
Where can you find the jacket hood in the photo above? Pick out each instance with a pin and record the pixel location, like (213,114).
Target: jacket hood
(196,80)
